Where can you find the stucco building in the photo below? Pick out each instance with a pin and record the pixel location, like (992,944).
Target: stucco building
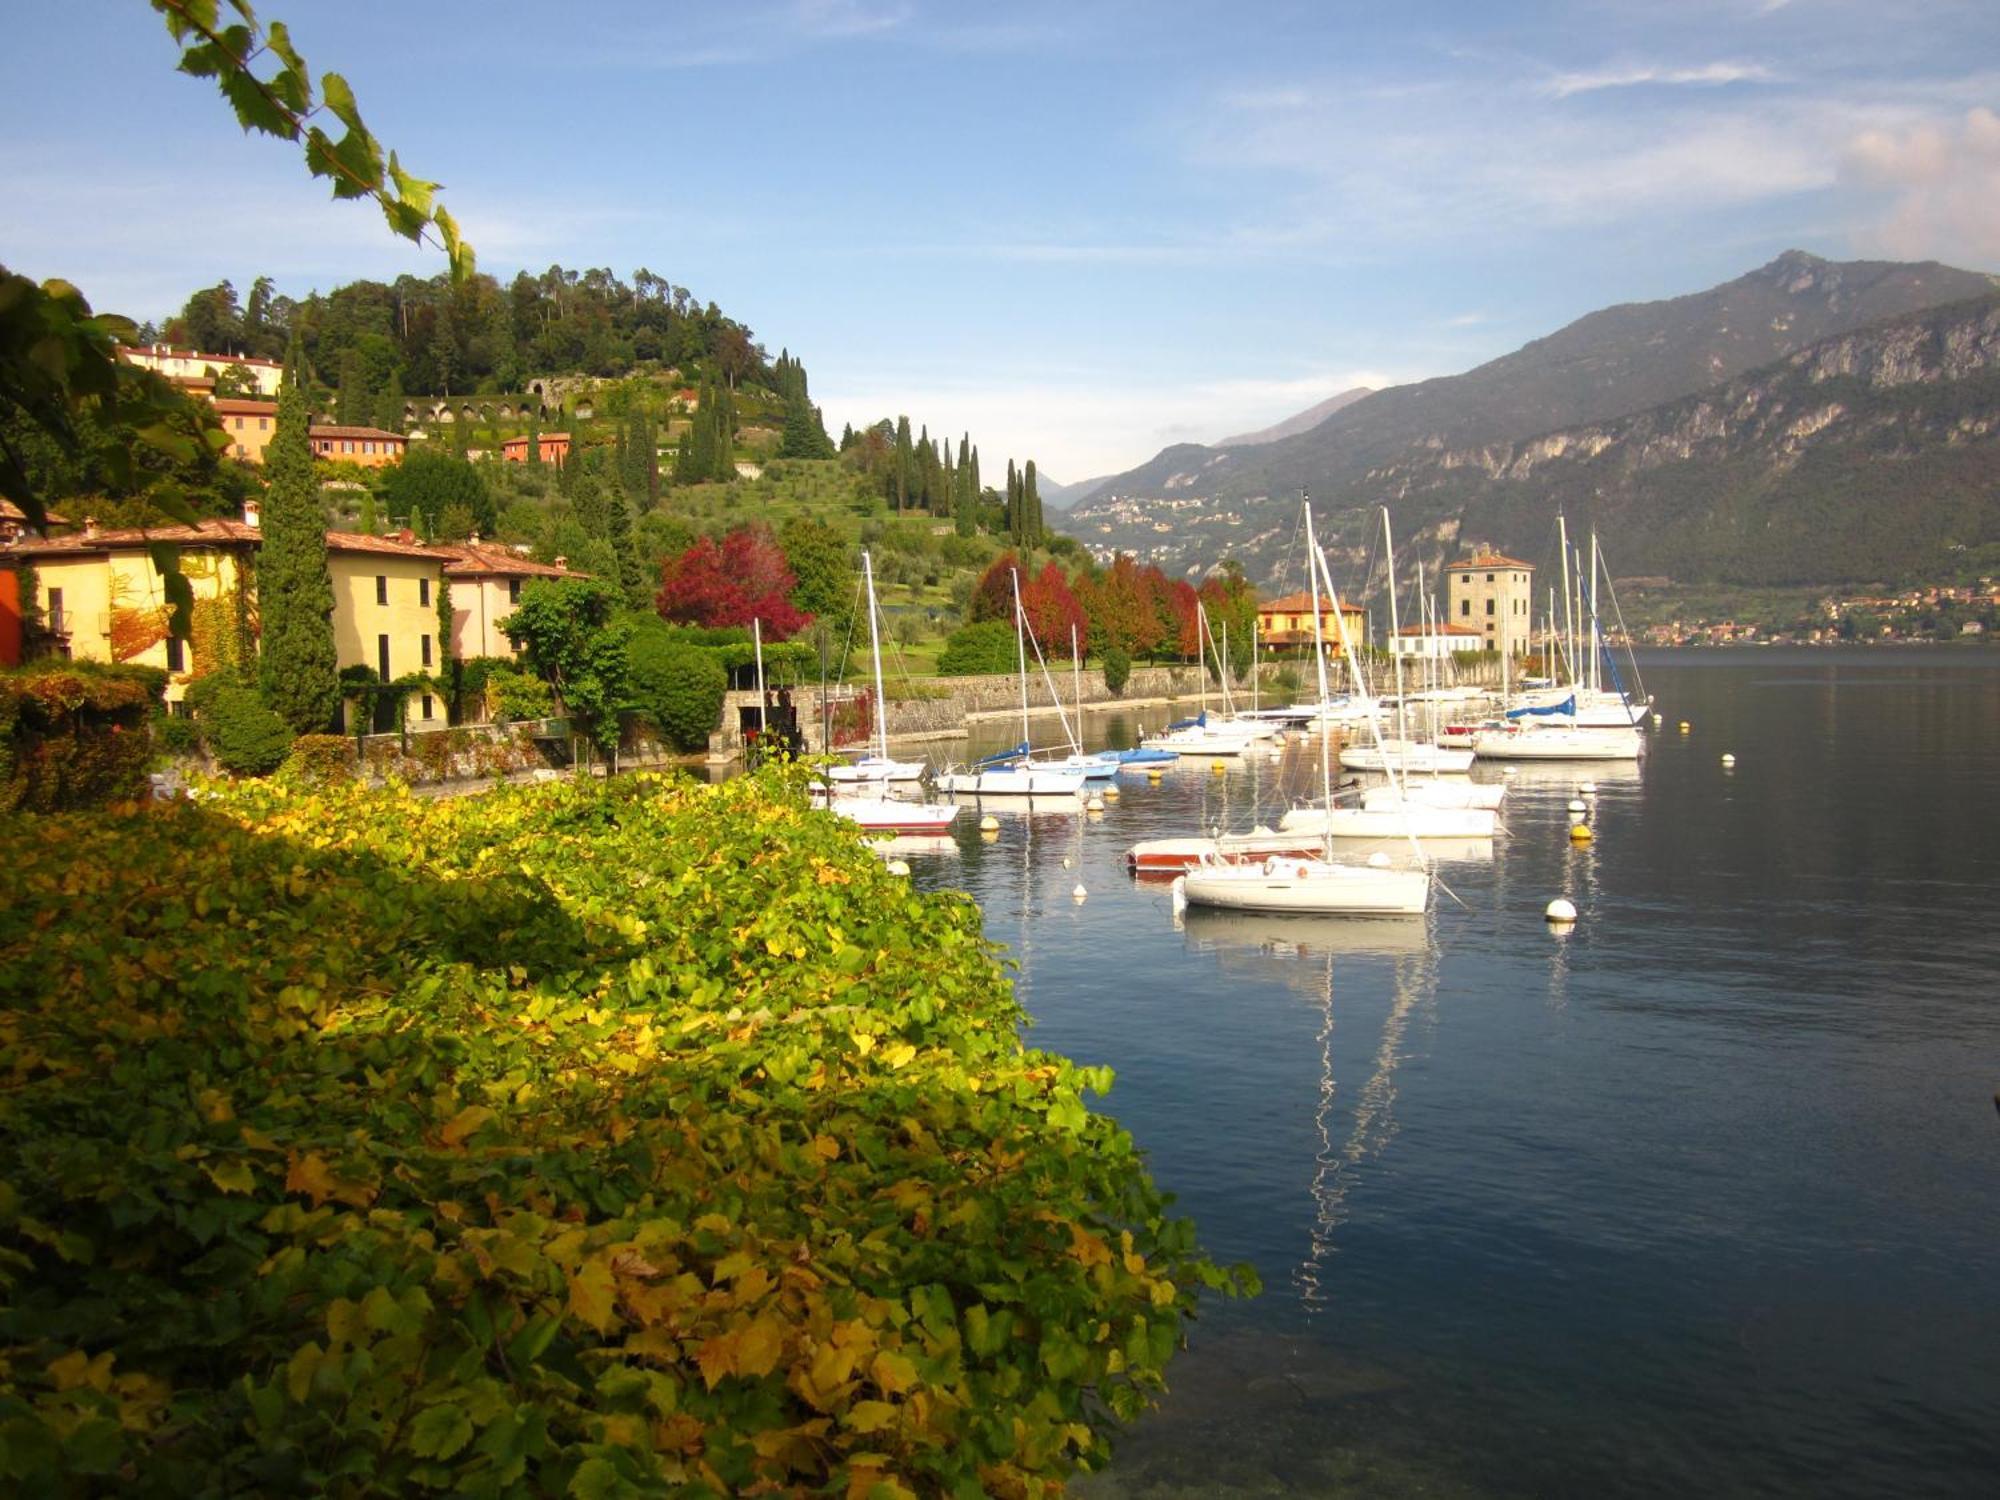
(371,447)
(1494,597)
(553,447)
(249,425)
(190,366)
(486,584)
(1288,621)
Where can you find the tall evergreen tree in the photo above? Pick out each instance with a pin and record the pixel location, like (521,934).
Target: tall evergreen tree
(461,438)
(905,461)
(352,407)
(1031,507)
(534,454)
(389,405)
(1013,512)
(298,672)
(965,504)
(631,568)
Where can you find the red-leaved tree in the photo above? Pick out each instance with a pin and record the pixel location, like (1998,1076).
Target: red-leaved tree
(1051,609)
(742,579)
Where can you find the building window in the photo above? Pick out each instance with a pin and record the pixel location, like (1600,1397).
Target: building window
(1465,606)
(382,656)
(513,591)
(427,656)
(348,447)
(176,654)
(427,705)
(381,589)
(1489,610)
(424,591)
(57,625)
(1489,577)
(263,423)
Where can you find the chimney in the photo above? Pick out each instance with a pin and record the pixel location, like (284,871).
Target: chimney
(253,514)
(90,526)
(473,540)
(562,564)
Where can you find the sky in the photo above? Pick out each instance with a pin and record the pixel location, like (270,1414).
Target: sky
(1079,230)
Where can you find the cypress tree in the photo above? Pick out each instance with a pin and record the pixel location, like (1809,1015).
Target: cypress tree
(352,406)
(534,440)
(1031,507)
(461,438)
(298,673)
(1013,512)
(725,437)
(389,405)
(904,458)
(966,519)
(631,569)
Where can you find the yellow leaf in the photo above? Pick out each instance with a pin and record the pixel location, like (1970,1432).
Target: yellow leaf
(310,1174)
(77,1368)
(343,1320)
(465,1122)
(233,1177)
(1087,1247)
(869,1416)
(758,1347)
(864,1042)
(1135,1263)
(717,1358)
(214,1105)
(825,1147)
(593,1295)
(730,1266)
(893,1372)
(898,1055)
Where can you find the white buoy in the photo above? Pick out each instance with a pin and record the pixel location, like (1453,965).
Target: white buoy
(1560,910)
(1509,770)
(989,824)
(1588,788)
(1079,893)
(1378,861)
(1067,861)
(1728,760)
(899,867)
(1577,807)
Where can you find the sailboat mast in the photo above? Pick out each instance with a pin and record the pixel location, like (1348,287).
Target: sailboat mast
(1569,625)
(1076,677)
(1020,649)
(1256,696)
(1395,632)
(875,655)
(1596,644)
(1319,663)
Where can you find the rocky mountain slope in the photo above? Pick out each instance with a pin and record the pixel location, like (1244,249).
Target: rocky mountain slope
(1436,446)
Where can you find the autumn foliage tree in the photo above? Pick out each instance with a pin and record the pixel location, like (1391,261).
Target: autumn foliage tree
(1051,609)
(742,578)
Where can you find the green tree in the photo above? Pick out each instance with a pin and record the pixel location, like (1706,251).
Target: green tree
(824,570)
(425,484)
(298,673)
(353,406)
(564,629)
(534,453)
(677,687)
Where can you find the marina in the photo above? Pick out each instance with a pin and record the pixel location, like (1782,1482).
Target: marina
(1695,1195)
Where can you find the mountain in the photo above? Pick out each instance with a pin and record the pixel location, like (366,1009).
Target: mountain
(1192,504)
(1062,496)
(1303,421)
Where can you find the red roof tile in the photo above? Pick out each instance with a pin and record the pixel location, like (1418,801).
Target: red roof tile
(1302,603)
(498,562)
(78,543)
(356,432)
(350,541)
(1489,560)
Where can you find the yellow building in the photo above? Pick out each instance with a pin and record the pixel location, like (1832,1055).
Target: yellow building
(486,584)
(1494,597)
(371,447)
(249,424)
(1288,621)
(101,599)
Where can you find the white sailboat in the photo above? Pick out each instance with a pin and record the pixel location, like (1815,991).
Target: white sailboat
(1290,883)
(1403,754)
(1009,773)
(1202,735)
(875,768)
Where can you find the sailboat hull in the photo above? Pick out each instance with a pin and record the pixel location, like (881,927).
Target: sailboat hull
(1281,884)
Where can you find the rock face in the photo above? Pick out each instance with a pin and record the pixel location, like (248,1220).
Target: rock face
(1617,396)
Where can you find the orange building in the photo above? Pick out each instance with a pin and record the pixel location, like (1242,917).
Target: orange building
(554,448)
(249,425)
(371,447)
(1289,621)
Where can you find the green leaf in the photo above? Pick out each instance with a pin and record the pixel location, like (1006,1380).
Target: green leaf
(340,100)
(414,191)
(440,1431)
(596,1479)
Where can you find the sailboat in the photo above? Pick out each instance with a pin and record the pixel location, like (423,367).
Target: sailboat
(1099,765)
(1009,773)
(876,767)
(1402,753)
(1200,735)
(1592,705)
(1287,883)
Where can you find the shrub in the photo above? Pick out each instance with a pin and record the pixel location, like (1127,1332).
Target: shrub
(175,734)
(74,734)
(1117,669)
(638,1138)
(977,649)
(245,737)
(678,688)
(319,760)
(513,695)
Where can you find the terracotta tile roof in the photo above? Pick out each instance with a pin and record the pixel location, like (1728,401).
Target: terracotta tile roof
(1301,604)
(9,511)
(244,406)
(355,432)
(547,437)
(1490,560)
(78,543)
(161,351)
(498,562)
(350,541)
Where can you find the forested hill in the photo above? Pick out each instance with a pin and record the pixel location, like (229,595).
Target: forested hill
(428,337)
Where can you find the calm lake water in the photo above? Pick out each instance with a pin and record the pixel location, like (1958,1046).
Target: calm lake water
(1700,1199)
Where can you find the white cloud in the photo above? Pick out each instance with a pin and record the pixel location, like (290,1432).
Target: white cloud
(842,18)
(1709,75)
(1941,183)
(1080,428)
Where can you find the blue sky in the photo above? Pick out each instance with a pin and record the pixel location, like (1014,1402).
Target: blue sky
(1082,230)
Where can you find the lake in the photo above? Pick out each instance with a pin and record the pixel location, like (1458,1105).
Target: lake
(1702,1197)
